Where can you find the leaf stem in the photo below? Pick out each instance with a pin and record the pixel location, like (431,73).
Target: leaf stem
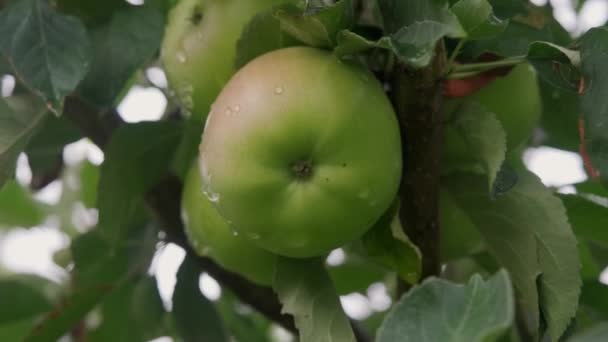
(452,59)
(480,67)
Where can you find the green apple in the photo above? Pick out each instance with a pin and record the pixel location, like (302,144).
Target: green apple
(199,47)
(515,99)
(301,151)
(211,236)
(516,102)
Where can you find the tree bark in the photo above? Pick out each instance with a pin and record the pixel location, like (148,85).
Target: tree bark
(417,97)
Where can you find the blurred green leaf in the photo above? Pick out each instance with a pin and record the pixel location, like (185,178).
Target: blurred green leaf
(439,310)
(137,157)
(99,269)
(594,104)
(316,25)
(399,14)
(243,325)
(16,128)
(527,230)
(92,13)
(195,317)
(20,300)
(262,34)
(306,291)
(49,52)
(121,47)
(18,208)
(474,141)
(133,312)
(413,29)
(386,244)
(356,274)
(477,18)
(555,64)
(459,236)
(560,116)
(45,149)
(598,333)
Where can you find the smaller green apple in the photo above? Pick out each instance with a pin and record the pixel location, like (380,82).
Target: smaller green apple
(199,48)
(211,236)
(515,101)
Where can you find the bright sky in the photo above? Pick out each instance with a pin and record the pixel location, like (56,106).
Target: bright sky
(31,250)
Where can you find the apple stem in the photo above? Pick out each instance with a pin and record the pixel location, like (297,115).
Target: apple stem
(417,97)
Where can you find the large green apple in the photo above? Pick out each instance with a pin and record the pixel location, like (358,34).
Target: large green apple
(301,151)
(210,235)
(199,48)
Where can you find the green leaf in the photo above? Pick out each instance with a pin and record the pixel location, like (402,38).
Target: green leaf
(514,41)
(99,269)
(16,128)
(555,64)
(559,120)
(195,317)
(598,333)
(589,219)
(262,34)
(18,208)
(477,19)
(243,326)
(398,14)
(316,25)
(306,291)
(20,300)
(459,236)
(594,104)
(133,312)
(527,231)
(387,244)
(122,46)
(137,157)
(415,44)
(509,8)
(92,13)
(350,43)
(45,150)
(439,310)
(356,274)
(49,52)
(474,141)
(414,29)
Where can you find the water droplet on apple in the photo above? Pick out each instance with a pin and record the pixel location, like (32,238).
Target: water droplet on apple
(228,111)
(213,196)
(237,108)
(363,194)
(279,90)
(253,236)
(181,57)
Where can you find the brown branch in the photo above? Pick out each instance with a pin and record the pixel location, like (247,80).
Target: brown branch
(417,98)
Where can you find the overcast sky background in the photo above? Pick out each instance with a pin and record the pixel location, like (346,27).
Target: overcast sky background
(31,250)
